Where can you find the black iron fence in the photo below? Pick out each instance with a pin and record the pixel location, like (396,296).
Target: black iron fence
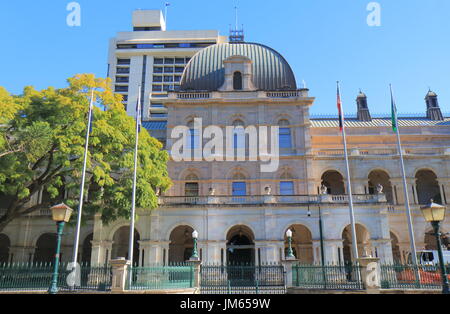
(242,279)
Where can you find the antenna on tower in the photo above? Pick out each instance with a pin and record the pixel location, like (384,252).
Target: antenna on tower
(236,34)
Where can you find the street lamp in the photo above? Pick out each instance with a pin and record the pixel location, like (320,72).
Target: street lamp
(290,253)
(435,214)
(60,214)
(195,256)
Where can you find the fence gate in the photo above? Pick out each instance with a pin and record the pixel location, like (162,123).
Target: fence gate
(239,279)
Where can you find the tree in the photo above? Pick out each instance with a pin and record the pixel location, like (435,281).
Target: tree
(43,148)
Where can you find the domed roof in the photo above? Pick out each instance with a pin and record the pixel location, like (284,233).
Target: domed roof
(206,71)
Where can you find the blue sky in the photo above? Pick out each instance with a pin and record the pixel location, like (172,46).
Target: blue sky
(323,40)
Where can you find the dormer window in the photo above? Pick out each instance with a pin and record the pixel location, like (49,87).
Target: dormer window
(237,80)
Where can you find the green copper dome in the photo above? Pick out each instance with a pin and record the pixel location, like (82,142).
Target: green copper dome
(206,72)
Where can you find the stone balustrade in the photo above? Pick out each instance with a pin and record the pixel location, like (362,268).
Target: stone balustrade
(268,199)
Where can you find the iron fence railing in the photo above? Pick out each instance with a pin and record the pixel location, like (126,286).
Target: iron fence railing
(38,277)
(242,279)
(405,277)
(160,277)
(330,277)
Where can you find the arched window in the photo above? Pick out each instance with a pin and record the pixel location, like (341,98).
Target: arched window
(45,248)
(427,187)
(237,81)
(334,181)
(380,177)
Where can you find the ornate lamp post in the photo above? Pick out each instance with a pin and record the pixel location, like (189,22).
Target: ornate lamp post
(290,253)
(435,214)
(61,215)
(195,256)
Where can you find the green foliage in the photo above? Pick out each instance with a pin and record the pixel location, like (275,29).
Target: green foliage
(44,146)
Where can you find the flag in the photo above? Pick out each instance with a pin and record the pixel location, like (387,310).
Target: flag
(339,105)
(167,4)
(394,113)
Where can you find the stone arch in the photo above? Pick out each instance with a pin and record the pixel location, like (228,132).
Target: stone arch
(431,243)
(396,251)
(427,187)
(120,246)
(236,171)
(235,117)
(378,176)
(5,245)
(188,172)
(334,181)
(302,243)
(177,225)
(45,248)
(285,173)
(240,245)
(181,244)
(363,239)
(283,116)
(86,251)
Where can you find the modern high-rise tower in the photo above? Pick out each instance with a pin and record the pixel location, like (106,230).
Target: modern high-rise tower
(155,58)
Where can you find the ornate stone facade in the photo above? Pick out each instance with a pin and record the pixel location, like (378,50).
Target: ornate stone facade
(241,213)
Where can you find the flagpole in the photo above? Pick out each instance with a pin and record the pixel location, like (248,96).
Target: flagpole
(133,198)
(165,12)
(83,179)
(349,185)
(405,184)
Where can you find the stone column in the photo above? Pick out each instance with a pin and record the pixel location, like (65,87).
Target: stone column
(331,251)
(384,249)
(101,252)
(213,252)
(358,186)
(288,269)
(197,265)
(317,253)
(119,274)
(270,251)
(154,252)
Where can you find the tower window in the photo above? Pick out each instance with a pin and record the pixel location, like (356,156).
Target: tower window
(237,81)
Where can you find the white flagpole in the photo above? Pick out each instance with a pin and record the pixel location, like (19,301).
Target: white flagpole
(405,184)
(133,199)
(83,179)
(349,185)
